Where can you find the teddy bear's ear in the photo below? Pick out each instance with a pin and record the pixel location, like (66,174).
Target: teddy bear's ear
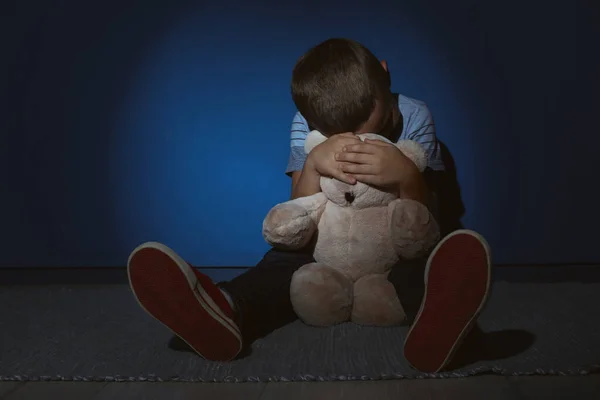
(415,152)
(313,139)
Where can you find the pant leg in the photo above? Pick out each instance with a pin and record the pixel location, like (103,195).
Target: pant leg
(408,279)
(262,294)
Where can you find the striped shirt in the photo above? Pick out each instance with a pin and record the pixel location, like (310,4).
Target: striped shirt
(417,125)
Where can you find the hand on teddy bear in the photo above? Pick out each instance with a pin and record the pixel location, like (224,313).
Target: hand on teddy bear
(322,159)
(381,164)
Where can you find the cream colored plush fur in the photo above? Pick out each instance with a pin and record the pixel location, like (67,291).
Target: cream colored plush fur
(362,232)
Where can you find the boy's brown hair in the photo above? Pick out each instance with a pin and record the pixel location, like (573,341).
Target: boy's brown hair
(335,85)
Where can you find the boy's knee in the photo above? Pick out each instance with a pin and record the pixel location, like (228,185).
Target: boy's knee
(286,258)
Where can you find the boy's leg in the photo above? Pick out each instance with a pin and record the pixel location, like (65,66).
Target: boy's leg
(198,311)
(442,297)
(261,296)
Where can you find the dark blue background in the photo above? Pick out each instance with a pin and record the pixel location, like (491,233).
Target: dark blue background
(168,120)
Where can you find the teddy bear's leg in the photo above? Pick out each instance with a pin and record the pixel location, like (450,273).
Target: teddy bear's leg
(376,302)
(321,296)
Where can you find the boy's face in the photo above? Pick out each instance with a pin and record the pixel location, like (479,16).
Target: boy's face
(385,116)
(383,119)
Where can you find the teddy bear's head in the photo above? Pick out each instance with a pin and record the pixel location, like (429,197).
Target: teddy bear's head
(361,195)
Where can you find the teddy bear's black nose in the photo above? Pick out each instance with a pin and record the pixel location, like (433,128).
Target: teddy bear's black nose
(349,197)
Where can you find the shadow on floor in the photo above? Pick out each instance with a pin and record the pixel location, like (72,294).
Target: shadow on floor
(489,346)
(177,344)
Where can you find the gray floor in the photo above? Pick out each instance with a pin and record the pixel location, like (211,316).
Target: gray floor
(489,387)
(100,331)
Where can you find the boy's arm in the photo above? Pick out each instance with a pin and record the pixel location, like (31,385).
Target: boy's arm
(305,182)
(422,131)
(415,188)
(305,179)
(434,176)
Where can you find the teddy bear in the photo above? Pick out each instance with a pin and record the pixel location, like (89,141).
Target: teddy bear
(357,233)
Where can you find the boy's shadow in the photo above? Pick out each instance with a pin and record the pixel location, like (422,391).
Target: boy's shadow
(478,345)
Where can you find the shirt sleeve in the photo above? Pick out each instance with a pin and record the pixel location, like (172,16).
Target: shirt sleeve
(424,134)
(298,134)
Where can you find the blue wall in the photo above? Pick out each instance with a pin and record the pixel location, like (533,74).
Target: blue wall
(168,120)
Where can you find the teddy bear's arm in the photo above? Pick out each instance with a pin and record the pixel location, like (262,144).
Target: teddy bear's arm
(291,225)
(413,228)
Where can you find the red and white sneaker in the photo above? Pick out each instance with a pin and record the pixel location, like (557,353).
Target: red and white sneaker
(184,300)
(457,282)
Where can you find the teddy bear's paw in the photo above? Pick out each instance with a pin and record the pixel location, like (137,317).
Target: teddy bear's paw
(288,226)
(414,231)
(376,302)
(321,296)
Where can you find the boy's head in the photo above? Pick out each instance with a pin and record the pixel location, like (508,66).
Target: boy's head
(340,86)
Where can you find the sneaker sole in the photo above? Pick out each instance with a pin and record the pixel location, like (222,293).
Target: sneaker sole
(166,287)
(452,300)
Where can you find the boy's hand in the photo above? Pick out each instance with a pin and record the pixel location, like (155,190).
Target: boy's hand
(322,157)
(377,163)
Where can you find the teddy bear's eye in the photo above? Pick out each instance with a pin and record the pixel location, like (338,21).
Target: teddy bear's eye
(349,197)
